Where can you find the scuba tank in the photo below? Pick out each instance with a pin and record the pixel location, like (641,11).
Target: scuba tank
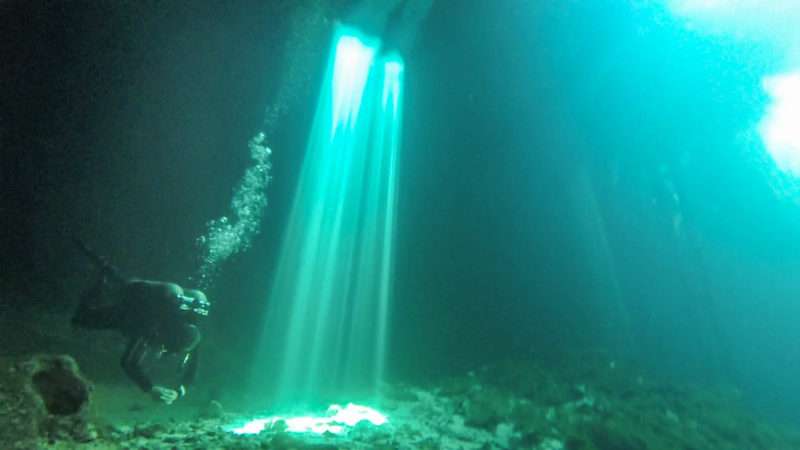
(191,305)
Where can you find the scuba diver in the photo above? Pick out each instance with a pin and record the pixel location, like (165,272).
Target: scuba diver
(155,317)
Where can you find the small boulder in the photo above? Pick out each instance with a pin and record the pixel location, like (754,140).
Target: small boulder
(212,410)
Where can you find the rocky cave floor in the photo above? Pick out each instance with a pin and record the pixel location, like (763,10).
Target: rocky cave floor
(45,402)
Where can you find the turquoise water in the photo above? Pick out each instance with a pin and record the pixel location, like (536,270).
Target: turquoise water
(514,224)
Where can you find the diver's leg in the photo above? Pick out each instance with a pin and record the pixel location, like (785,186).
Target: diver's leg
(89,314)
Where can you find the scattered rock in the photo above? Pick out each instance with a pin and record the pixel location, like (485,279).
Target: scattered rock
(609,437)
(213,410)
(148,430)
(455,416)
(487,407)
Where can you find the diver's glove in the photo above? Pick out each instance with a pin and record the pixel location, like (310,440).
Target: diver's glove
(162,394)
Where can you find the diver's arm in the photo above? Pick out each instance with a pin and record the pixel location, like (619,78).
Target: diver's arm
(188,371)
(132,363)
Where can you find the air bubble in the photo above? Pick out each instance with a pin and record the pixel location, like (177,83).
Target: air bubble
(224,236)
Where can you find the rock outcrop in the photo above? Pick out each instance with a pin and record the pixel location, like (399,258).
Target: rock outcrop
(43,398)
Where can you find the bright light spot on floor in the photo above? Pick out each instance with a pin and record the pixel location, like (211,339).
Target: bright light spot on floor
(780,128)
(255,426)
(336,421)
(352,414)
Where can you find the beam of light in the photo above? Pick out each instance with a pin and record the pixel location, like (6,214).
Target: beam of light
(337,420)
(774,22)
(326,327)
(386,140)
(354,55)
(393,68)
(780,127)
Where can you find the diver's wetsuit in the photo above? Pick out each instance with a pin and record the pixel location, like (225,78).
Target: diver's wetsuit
(147,313)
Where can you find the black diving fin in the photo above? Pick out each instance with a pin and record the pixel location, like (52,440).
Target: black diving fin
(107,269)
